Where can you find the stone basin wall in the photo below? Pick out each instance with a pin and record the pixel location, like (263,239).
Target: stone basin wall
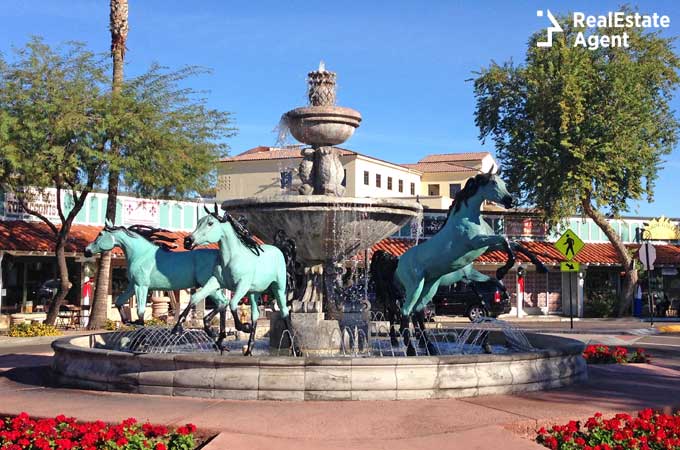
(78,364)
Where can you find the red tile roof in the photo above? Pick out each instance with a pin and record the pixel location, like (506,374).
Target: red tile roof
(453,157)
(264,153)
(17,235)
(592,253)
(36,237)
(438,167)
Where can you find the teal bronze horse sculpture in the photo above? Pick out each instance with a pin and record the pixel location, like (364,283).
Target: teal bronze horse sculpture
(244,267)
(448,256)
(153,266)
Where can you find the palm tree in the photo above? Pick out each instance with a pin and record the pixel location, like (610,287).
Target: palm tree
(118,25)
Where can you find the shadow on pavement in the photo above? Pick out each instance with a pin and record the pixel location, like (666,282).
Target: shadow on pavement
(27,369)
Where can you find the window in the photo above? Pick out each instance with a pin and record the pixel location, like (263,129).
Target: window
(366,177)
(433,190)
(377,180)
(401,185)
(453,189)
(413,189)
(286,179)
(389,183)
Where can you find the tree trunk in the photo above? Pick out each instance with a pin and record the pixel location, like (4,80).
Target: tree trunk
(631,276)
(65,286)
(118,25)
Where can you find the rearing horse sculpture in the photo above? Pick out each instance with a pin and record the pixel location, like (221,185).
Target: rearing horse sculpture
(451,252)
(150,266)
(244,267)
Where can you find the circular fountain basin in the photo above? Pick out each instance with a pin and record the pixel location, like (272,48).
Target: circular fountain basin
(84,362)
(322,125)
(325,228)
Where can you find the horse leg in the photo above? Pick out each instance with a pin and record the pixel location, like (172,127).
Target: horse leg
(240,292)
(221,306)
(210,287)
(207,320)
(429,289)
(280,295)
(254,315)
(393,317)
(540,267)
(140,293)
(122,299)
(413,291)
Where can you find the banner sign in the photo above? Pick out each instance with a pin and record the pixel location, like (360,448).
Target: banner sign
(525,226)
(141,212)
(42,201)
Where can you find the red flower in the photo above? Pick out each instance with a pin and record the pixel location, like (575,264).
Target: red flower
(160,446)
(121,442)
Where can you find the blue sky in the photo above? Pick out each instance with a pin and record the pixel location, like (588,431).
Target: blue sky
(402,64)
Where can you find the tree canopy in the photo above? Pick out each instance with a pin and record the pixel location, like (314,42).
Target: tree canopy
(583,131)
(59,120)
(572,123)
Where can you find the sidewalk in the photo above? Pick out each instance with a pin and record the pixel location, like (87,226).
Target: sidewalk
(8,341)
(473,423)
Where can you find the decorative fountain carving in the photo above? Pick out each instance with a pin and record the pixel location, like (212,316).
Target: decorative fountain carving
(322,124)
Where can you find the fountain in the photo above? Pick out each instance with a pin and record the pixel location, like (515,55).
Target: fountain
(347,353)
(326,227)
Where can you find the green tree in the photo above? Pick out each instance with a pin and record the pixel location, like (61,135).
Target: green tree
(53,121)
(582,131)
(59,121)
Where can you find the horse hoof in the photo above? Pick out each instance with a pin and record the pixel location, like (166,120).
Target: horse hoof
(410,351)
(177,329)
(246,328)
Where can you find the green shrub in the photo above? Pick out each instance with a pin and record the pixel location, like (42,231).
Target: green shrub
(600,304)
(32,330)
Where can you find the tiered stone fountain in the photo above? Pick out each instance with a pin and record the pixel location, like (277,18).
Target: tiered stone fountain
(327,228)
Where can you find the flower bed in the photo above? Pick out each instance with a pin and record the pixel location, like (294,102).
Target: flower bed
(33,330)
(65,433)
(602,354)
(649,430)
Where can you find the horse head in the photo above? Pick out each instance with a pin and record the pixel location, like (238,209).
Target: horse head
(104,242)
(490,186)
(207,230)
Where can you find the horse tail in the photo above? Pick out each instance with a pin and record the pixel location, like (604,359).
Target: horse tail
(287,247)
(383,268)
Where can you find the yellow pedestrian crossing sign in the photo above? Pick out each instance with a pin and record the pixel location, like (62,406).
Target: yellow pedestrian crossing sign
(569,244)
(570,266)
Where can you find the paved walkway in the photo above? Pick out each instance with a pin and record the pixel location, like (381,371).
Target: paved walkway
(473,423)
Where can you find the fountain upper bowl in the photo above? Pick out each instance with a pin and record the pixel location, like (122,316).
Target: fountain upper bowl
(322,125)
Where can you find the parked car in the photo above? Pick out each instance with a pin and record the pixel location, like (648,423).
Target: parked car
(474,301)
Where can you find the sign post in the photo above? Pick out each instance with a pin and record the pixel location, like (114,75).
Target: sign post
(647,256)
(569,245)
